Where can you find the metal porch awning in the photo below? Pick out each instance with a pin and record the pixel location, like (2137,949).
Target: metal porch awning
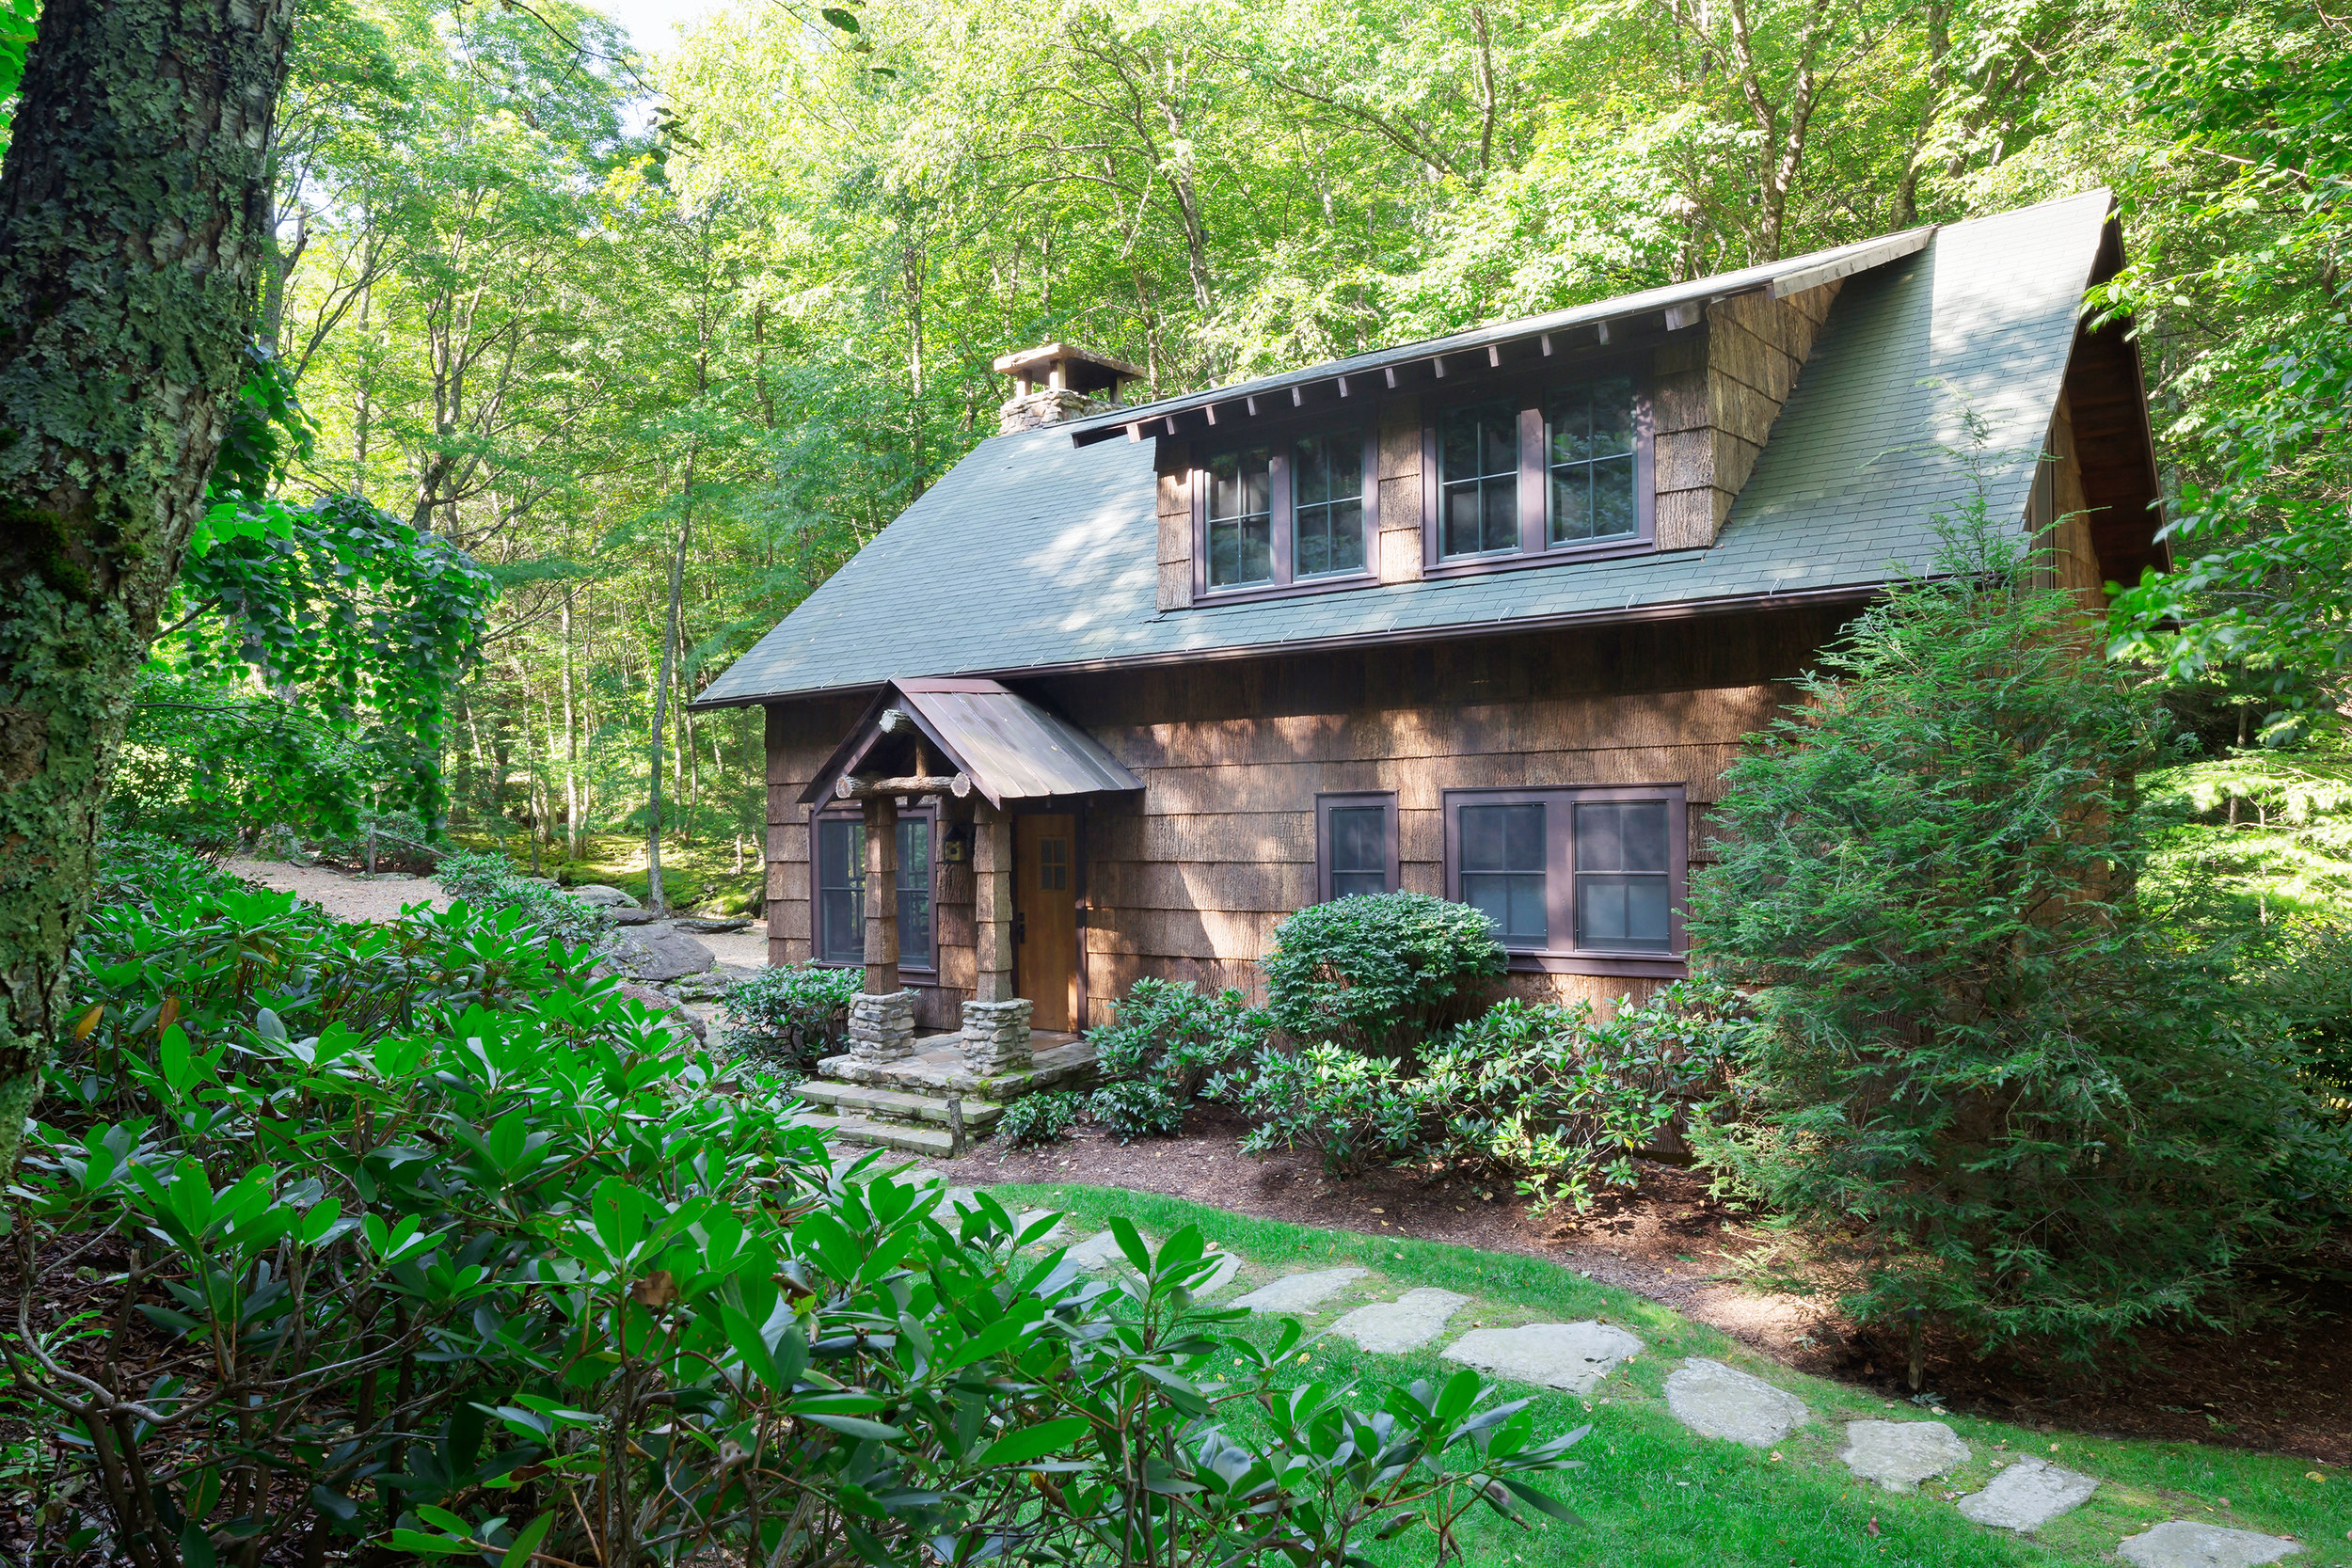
(1013,751)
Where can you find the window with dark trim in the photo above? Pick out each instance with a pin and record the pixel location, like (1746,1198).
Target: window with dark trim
(1356,845)
(1559,466)
(1293,511)
(837,888)
(1591,877)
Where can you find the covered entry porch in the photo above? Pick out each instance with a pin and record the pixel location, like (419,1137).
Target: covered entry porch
(948,861)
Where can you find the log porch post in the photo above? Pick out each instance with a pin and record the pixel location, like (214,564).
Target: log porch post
(991,903)
(882,894)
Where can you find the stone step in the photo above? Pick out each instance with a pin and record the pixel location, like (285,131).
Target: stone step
(887,1134)
(895,1104)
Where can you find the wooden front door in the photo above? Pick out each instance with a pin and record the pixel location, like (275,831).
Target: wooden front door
(1045,918)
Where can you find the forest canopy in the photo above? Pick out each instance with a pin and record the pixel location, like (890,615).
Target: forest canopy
(604,321)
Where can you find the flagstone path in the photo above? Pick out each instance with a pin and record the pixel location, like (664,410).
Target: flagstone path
(1711,1399)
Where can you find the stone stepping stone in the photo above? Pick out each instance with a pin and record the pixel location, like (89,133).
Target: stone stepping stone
(1098,1251)
(1300,1293)
(1409,1322)
(1899,1455)
(1227,1265)
(1571,1357)
(2186,1544)
(2027,1495)
(1716,1400)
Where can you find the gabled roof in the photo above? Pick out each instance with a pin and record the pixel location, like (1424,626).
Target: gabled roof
(1036,553)
(1007,746)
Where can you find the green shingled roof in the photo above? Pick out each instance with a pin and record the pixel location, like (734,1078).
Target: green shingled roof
(1033,554)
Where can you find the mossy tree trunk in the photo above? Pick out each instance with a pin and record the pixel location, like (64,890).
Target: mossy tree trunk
(132,211)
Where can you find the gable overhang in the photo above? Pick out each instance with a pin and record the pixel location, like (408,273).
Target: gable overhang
(1015,753)
(1616,322)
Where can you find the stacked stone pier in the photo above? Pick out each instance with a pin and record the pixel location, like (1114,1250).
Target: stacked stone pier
(931,1094)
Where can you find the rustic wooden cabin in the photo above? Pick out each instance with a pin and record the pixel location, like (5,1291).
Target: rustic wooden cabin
(1485,617)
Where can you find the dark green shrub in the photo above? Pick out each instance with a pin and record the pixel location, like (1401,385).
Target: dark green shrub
(434,1254)
(1981,1077)
(1380,972)
(1354,1111)
(1138,1109)
(790,1016)
(1035,1119)
(1164,1043)
(491,881)
(1544,1097)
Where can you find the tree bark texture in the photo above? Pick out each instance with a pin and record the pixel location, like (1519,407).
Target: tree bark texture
(133,230)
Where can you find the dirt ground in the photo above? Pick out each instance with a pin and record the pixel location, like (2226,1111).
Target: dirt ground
(2278,1391)
(350,897)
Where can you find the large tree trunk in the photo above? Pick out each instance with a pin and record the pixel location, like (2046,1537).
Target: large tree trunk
(132,216)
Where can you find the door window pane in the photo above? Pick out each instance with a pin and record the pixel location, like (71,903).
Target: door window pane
(1326,505)
(1052,864)
(840,889)
(1478,459)
(915,892)
(1621,876)
(1241,517)
(1503,871)
(1359,850)
(1588,434)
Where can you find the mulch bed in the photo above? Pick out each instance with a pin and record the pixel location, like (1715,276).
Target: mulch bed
(2280,1389)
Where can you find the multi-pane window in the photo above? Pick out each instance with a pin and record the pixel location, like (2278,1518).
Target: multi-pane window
(839,880)
(1504,867)
(1241,517)
(1052,864)
(1588,436)
(1355,845)
(1478,479)
(1326,505)
(1289,510)
(915,892)
(1571,873)
(840,889)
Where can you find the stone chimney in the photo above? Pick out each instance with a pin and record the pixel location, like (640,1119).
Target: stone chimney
(1058,382)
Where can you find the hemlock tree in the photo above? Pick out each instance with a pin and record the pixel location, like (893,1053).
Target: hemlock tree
(1984,1083)
(131,209)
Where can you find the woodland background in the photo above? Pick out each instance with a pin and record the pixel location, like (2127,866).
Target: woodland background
(659,343)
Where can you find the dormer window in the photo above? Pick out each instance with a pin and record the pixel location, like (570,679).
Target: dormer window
(1552,467)
(1271,514)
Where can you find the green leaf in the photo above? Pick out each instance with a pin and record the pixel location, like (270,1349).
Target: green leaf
(851,1426)
(840,19)
(1550,1505)
(1131,1242)
(1030,1443)
(519,1555)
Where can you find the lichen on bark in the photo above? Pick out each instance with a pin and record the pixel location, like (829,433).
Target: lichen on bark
(132,206)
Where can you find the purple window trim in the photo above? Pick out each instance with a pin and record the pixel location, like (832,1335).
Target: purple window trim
(1386,800)
(928,811)
(1280,437)
(1535,549)
(1560,955)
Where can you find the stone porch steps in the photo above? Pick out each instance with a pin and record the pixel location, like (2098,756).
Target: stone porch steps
(888,1135)
(860,1100)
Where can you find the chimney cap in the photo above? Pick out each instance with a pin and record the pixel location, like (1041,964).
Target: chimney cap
(1082,370)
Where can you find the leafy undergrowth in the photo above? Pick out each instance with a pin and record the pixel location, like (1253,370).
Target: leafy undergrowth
(1657,1496)
(701,876)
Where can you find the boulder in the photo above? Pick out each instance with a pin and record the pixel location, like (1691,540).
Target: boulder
(707,925)
(656,953)
(603,897)
(629,915)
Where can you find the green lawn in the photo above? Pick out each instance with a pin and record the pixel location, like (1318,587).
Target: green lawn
(1657,1495)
